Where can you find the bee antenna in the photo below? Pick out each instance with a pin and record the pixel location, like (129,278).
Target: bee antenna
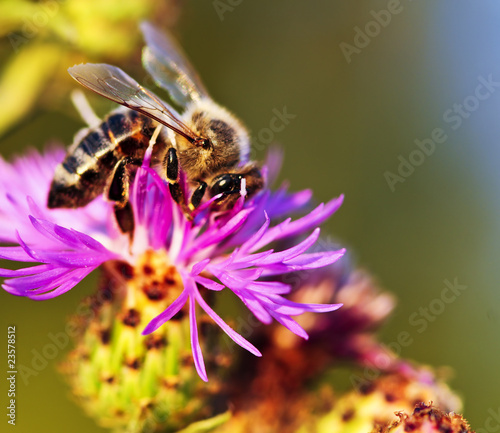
(202,142)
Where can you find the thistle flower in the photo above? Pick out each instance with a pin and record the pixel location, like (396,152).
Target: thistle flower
(375,404)
(428,419)
(352,335)
(314,402)
(211,253)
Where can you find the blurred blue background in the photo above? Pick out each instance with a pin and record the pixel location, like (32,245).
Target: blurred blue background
(358,109)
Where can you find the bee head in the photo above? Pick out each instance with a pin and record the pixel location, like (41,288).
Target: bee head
(225,136)
(232,185)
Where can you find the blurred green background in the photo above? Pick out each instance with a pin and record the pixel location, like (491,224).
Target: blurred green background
(353,120)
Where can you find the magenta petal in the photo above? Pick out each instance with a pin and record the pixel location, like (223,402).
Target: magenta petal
(291,325)
(271,234)
(215,236)
(195,343)
(209,284)
(304,262)
(273,163)
(71,280)
(235,281)
(284,306)
(198,267)
(251,260)
(170,312)
(254,305)
(293,252)
(313,219)
(256,237)
(237,338)
(270,287)
(57,233)
(316,259)
(8,273)
(30,252)
(33,281)
(281,203)
(12,290)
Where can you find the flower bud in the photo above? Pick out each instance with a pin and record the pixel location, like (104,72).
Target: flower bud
(126,380)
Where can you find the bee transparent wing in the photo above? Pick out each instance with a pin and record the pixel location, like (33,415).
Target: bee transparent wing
(163,59)
(112,83)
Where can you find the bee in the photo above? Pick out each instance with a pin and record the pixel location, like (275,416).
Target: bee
(208,143)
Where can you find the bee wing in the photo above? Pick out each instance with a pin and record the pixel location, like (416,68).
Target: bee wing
(112,83)
(164,60)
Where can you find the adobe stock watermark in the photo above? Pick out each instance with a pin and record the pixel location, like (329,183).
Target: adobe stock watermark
(278,122)
(57,342)
(492,423)
(32,26)
(364,35)
(419,319)
(453,118)
(223,6)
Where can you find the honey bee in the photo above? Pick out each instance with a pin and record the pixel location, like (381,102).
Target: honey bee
(208,143)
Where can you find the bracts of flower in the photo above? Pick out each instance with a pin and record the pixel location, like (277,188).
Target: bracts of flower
(211,253)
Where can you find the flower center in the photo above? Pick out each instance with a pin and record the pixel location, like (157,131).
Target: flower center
(147,288)
(157,278)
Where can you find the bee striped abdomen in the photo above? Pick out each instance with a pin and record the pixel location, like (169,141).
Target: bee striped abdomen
(85,172)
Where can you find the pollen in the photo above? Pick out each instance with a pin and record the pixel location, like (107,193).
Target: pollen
(156,278)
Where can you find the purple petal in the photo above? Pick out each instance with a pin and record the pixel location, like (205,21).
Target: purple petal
(170,312)
(209,284)
(291,325)
(237,338)
(75,259)
(293,252)
(254,305)
(34,281)
(31,253)
(256,237)
(273,163)
(8,273)
(271,235)
(195,343)
(215,235)
(236,281)
(16,254)
(306,261)
(316,259)
(70,281)
(247,261)
(281,203)
(313,219)
(270,287)
(198,267)
(12,290)
(284,306)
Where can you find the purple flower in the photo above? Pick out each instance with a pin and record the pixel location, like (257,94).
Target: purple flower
(213,252)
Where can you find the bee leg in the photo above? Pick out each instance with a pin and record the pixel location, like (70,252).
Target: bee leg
(125,218)
(118,192)
(171,164)
(197,196)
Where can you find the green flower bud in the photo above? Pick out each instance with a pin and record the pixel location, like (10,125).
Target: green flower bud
(128,381)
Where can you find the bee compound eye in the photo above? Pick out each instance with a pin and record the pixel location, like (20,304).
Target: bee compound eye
(226,184)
